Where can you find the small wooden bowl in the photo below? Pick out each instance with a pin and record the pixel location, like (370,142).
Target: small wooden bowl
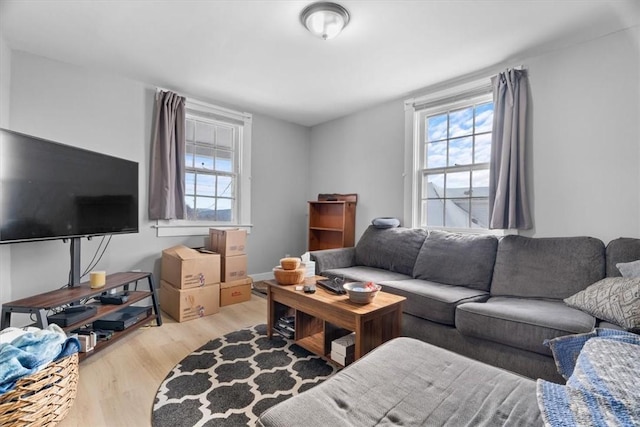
(289,277)
(290,263)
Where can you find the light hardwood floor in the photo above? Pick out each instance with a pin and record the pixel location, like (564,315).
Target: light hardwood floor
(117,385)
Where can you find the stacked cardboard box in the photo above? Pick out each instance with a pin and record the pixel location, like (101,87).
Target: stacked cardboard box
(343,349)
(190,283)
(230,244)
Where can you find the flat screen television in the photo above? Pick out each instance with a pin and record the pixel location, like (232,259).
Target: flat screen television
(53,191)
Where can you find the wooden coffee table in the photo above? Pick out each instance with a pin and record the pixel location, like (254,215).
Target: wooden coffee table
(323,316)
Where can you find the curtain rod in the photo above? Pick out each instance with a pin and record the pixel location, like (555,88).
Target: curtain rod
(216,109)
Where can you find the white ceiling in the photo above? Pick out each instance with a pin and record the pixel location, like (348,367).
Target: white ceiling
(257,55)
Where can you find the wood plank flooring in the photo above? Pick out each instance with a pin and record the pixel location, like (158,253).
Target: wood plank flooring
(118,385)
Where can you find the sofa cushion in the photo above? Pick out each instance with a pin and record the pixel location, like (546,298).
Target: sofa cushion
(364,274)
(554,268)
(520,322)
(623,249)
(393,249)
(433,301)
(457,259)
(629,269)
(614,299)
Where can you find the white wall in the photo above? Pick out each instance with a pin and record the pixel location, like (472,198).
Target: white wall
(5,96)
(363,154)
(584,150)
(279,186)
(113,115)
(586,139)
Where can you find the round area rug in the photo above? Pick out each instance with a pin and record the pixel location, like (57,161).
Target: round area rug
(231,380)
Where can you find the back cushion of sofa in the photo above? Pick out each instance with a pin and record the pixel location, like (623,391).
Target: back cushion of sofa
(393,249)
(457,259)
(555,267)
(623,249)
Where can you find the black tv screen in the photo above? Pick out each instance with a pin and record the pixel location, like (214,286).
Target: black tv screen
(54,191)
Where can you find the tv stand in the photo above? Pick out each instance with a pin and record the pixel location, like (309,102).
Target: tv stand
(74,252)
(40,305)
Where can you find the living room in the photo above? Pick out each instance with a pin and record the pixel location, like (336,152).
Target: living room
(582,160)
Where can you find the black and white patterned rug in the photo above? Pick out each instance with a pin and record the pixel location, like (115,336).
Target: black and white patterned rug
(231,380)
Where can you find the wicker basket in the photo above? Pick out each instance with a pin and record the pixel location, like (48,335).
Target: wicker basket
(290,263)
(43,398)
(289,277)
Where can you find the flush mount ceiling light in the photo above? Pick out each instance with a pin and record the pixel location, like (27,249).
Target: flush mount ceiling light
(325,20)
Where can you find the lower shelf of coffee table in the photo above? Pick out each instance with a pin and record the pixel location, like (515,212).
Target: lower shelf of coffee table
(314,343)
(312,333)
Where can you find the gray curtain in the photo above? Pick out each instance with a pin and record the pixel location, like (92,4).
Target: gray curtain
(508,195)
(166,177)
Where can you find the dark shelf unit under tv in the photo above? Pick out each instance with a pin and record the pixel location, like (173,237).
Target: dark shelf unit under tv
(39,305)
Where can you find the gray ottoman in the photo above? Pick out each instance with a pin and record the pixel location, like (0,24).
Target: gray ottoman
(411,383)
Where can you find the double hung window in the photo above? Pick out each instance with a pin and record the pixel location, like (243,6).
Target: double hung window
(211,170)
(451,146)
(217,171)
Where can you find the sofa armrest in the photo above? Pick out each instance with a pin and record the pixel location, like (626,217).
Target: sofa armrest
(333,258)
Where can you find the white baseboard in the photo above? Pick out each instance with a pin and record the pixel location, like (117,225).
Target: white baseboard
(262,276)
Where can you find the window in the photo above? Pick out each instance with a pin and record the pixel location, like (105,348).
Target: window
(211,175)
(217,171)
(451,146)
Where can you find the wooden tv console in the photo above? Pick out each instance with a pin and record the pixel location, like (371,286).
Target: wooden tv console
(40,305)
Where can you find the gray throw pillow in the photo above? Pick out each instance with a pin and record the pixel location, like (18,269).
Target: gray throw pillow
(629,269)
(614,299)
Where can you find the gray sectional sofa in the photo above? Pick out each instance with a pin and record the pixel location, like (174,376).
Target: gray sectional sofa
(493,299)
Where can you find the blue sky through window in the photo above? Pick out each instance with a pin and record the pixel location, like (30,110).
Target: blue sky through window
(457,139)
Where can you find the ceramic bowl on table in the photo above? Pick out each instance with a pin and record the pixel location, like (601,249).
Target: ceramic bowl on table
(362,292)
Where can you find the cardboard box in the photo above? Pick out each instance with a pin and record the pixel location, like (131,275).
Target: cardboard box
(186,268)
(235,292)
(189,304)
(233,268)
(344,346)
(227,242)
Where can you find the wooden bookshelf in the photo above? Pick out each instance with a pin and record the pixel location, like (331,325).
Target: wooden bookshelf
(332,220)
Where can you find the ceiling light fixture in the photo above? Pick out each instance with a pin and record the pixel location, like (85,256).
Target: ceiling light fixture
(325,20)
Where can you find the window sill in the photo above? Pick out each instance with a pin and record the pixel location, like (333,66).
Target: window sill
(175,228)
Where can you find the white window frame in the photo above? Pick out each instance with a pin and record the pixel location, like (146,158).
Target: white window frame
(243,121)
(459,95)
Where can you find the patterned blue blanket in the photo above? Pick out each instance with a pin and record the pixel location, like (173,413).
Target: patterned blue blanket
(603,388)
(32,351)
